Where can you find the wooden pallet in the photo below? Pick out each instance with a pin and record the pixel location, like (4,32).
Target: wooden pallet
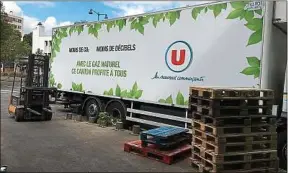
(238,147)
(231,166)
(232,129)
(230,93)
(243,103)
(234,120)
(197,165)
(231,140)
(152,152)
(240,157)
(231,110)
(233,157)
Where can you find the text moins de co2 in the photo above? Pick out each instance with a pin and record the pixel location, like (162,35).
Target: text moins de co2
(107,48)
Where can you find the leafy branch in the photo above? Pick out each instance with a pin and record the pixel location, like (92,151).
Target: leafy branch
(135,92)
(179,99)
(216,8)
(138,23)
(255,25)
(93,29)
(52,82)
(77,87)
(254,67)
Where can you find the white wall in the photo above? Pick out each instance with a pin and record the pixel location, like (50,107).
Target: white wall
(39,40)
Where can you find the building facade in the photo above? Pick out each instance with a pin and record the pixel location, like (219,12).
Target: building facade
(41,41)
(15,21)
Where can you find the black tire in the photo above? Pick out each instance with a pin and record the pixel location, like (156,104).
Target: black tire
(92,108)
(117,108)
(282,149)
(19,115)
(49,115)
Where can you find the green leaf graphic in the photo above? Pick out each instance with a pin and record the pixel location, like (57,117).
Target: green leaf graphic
(238,4)
(172,18)
(156,19)
(251,71)
(141,29)
(74,86)
(80,87)
(134,89)
(211,7)
(179,99)
(138,94)
(109,26)
(256,37)
(194,13)
(80,28)
(169,100)
(133,24)
(224,6)
(110,92)
(253,61)
(129,95)
(97,26)
(124,93)
(57,48)
(105,93)
(258,11)
(186,102)
(249,15)
(217,10)
(162,101)
(235,14)
(118,91)
(144,20)
(121,23)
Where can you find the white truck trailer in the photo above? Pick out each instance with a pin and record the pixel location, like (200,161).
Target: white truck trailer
(139,68)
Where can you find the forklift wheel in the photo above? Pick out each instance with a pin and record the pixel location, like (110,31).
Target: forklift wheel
(19,115)
(282,149)
(48,115)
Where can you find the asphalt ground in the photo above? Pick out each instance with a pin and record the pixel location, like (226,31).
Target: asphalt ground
(63,145)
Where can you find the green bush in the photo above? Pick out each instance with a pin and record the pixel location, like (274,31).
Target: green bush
(104,119)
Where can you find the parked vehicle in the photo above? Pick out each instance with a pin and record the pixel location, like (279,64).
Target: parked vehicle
(139,68)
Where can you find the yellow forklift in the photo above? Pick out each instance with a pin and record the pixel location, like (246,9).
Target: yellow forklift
(32,100)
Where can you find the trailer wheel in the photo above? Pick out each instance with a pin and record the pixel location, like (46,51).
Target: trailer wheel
(19,115)
(117,110)
(282,149)
(92,108)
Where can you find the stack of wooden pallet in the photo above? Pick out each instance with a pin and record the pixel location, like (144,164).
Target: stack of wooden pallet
(233,130)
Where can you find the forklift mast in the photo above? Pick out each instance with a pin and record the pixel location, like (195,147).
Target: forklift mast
(37,71)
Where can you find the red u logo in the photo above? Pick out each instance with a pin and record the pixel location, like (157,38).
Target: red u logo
(181,60)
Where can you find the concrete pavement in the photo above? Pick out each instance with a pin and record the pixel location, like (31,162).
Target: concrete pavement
(65,145)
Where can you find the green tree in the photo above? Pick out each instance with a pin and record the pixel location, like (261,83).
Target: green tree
(28,38)
(10,40)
